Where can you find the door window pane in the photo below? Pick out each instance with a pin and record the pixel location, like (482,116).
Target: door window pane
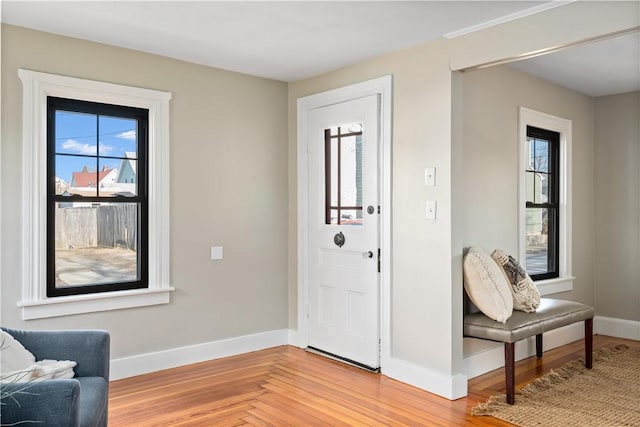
(343,175)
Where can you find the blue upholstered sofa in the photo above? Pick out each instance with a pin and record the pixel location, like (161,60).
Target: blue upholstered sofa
(80,401)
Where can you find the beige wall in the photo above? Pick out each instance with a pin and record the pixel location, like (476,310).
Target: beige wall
(606,181)
(228,187)
(491,98)
(617,206)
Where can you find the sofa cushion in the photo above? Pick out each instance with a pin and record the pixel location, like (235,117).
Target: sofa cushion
(486,285)
(526,296)
(52,403)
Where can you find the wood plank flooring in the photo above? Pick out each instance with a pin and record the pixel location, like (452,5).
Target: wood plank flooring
(286,386)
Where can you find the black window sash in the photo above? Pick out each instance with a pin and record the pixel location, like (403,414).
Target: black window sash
(141,116)
(552,205)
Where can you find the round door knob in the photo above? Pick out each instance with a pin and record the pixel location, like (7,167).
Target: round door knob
(367,254)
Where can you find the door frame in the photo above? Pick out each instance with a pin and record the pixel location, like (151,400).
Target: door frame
(381,86)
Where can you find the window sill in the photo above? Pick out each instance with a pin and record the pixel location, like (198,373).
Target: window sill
(555,286)
(89,303)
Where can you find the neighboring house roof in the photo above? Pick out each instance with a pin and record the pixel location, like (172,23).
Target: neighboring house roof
(88,179)
(128,168)
(131,155)
(61,185)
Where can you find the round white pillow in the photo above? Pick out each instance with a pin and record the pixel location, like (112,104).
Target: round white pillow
(486,285)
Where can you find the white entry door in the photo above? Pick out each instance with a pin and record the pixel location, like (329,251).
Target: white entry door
(343,230)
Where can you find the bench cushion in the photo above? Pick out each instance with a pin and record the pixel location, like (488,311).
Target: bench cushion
(551,314)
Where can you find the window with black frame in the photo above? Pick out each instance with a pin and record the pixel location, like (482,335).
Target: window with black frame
(542,203)
(343,175)
(97,202)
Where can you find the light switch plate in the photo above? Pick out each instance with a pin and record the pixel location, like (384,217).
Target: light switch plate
(430,176)
(216,253)
(430,209)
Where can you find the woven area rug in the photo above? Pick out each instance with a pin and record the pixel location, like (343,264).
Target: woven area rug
(607,395)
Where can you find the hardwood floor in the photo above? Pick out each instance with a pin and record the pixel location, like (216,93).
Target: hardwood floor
(286,386)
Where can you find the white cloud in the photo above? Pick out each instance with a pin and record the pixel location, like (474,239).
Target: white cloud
(130,135)
(86,149)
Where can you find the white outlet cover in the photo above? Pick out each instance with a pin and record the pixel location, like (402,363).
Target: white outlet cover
(430,212)
(430,176)
(216,253)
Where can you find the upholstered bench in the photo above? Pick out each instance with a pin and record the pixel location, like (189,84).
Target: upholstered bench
(551,314)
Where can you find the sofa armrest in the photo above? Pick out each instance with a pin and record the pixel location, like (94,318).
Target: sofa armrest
(52,403)
(89,348)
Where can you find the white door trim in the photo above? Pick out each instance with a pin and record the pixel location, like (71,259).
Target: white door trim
(383,87)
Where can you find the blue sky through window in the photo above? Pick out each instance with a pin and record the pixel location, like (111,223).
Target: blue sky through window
(77,142)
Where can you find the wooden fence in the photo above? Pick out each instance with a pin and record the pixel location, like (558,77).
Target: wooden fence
(97,226)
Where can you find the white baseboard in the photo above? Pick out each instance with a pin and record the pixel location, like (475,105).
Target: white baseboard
(295,339)
(450,387)
(488,360)
(166,359)
(620,328)
(407,372)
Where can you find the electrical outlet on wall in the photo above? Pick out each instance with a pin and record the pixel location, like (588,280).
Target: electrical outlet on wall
(430,176)
(430,209)
(216,253)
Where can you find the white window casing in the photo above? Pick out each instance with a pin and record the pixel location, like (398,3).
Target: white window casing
(528,117)
(37,87)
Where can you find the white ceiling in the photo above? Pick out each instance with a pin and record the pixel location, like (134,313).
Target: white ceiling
(280,40)
(605,67)
(285,41)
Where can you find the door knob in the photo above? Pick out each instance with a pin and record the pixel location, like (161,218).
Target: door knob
(367,254)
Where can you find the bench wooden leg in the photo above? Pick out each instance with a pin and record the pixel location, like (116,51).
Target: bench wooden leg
(510,371)
(588,343)
(539,345)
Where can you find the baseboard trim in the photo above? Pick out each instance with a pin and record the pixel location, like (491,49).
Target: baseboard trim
(150,362)
(295,339)
(488,360)
(450,387)
(619,328)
